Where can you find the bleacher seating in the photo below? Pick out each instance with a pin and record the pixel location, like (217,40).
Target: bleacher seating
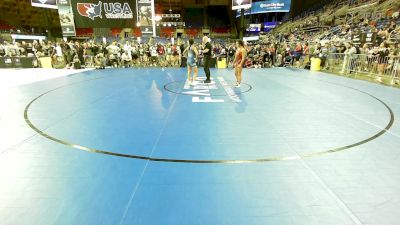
(192,32)
(84,32)
(167,31)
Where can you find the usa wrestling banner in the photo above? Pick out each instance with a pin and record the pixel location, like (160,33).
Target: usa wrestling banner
(103,13)
(241,4)
(66,18)
(51,4)
(145,16)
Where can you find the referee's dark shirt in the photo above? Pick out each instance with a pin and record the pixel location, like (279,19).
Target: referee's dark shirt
(209,47)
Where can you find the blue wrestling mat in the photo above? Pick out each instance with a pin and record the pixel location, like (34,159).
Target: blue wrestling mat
(142,146)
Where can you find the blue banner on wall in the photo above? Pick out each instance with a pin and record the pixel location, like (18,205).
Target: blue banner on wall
(267,7)
(269,26)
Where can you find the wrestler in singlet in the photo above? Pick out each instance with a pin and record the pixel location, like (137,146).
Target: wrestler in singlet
(191,61)
(239,62)
(239,57)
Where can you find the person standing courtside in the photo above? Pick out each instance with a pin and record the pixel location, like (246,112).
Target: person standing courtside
(191,62)
(238,62)
(207,58)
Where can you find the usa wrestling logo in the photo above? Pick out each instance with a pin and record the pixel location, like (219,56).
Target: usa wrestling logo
(89,10)
(111,10)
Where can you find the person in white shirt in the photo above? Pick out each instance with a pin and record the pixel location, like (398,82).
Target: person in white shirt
(100,61)
(12,50)
(169,55)
(113,54)
(128,48)
(154,55)
(348,60)
(59,52)
(179,57)
(113,49)
(126,59)
(3,50)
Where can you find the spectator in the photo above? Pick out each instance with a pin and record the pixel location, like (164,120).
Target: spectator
(383,53)
(100,61)
(297,54)
(126,59)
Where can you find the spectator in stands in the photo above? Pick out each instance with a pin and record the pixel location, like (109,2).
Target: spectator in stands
(29,50)
(113,61)
(142,56)
(79,52)
(265,57)
(68,55)
(279,58)
(128,48)
(22,49)
(382,35)
(395,15)
(258,62)
(392,26)
(76,62)
(249,63)
(231,54)
(330,56)
(114,54)
(345,48)
(95,49)
(100,61)
(317,50)
(12,50)
(57,57)
(383,53)
(341,48)
(224,50)
(154,55)
(325,51)
(3,49)
(297,54)
(126,59)
(169,55)
(181,48)
(272,54)
(161,54)
(368,51)
(396,64)
(351,50)
(364,50)
(396,51)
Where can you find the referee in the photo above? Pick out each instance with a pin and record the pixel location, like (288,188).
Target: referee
(207,58)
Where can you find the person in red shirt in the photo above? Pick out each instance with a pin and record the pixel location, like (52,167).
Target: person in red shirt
(271,52)
(298,51)
(161,54)
(175,55)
